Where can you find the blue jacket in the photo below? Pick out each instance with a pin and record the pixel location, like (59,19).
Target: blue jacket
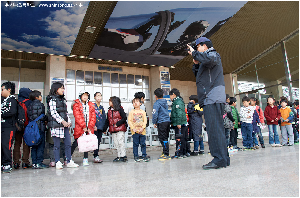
(160,112)
(255,121)
(100,117)
(209,77)
(24,94)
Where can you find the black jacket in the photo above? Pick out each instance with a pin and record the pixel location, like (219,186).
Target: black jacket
(34,110)
(61,108)
(209,77)
(9,110)
(195,121)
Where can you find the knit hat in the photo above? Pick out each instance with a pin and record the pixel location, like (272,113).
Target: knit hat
(83,92)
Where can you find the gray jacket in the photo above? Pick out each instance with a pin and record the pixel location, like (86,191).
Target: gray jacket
(209,77)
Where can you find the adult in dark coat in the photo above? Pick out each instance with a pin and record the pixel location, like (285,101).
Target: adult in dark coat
(211,96)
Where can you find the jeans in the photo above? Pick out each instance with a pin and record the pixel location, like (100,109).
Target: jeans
(273,134)
(255,142)
(296,132)
(98,133)
(181,147)
(227,136)
(196,145)
(285,130)
(247,129)
(67,141)
(213,114)
(139,139)
(260,137)
(37,151)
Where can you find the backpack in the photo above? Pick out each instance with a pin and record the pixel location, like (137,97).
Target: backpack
(21,116)
(32,133)
(25,109)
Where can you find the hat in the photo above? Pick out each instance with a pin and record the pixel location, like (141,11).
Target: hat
(83,92)
(202,40)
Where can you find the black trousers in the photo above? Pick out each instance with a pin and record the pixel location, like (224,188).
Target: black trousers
(7,139)
(73,147)
(98,133)
(233,137)
(182,142)
(213,114)
(163,135)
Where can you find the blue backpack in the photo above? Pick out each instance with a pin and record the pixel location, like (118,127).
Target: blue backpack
(32,133)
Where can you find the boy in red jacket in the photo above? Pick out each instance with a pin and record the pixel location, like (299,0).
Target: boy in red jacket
(85,120)
(272,115)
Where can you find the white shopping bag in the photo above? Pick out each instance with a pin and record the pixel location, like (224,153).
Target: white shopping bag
(87,142)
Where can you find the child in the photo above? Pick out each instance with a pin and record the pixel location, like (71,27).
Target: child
(235,115)
(137,121)
(85,120)
(100,123)
(116,118)
(272,115)
(23,97)
(195,124)
(296,122)
(246,115)
(254,102)
(161,121)
(228,120)
(9,110)
(255,123)
(287,117)
(179,121)
(59,123)
(34,110)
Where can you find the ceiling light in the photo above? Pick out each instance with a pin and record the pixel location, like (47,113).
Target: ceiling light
(90,29)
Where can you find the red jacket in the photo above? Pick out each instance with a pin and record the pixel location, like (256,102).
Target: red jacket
(80,123)
(260,113)
(113,117)
(271,114)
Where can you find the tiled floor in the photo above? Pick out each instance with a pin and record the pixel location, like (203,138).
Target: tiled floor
(263,172)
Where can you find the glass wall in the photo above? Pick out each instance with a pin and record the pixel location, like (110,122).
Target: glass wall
(123,86)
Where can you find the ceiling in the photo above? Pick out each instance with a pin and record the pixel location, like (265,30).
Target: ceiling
(251,32)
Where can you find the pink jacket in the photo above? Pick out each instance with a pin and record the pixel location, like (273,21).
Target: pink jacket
(261,114)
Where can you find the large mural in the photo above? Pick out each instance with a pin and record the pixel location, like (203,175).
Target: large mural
(157,32)
(41,26)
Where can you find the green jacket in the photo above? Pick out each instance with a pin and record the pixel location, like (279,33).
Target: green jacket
(236,116)
(178,115)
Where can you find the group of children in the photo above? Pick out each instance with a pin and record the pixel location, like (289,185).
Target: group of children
(91,118)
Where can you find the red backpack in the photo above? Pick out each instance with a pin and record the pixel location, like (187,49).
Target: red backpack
(25,109)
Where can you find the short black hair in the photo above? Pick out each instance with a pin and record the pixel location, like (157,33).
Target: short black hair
(34,94)
(246,98)
(296,102)
(97,93)
(283,100)
(207,43)
(253,98)
(139,95)
(159,93)
(232,100)
(174,91)
(136,99)
(290,103)
(9,85)
(194,97)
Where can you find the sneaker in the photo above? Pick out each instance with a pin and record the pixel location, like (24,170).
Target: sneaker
(24,165)
(140,157)
(175,156)
(72,164)
(273,145)
(195,153)
(7,169)
(16,165)
(146,159)
(201,152)
(278,145)
(184,156)
(188,154)
(163,157)
(116,159)
(263,146)
(290,144)
(137,159)
(97,160)
(33,166)
(52,164)
(59,165)
(284,144)
(256,147)
(43,165)
(180,157)
(252,148)
(123,159)
(85,162)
